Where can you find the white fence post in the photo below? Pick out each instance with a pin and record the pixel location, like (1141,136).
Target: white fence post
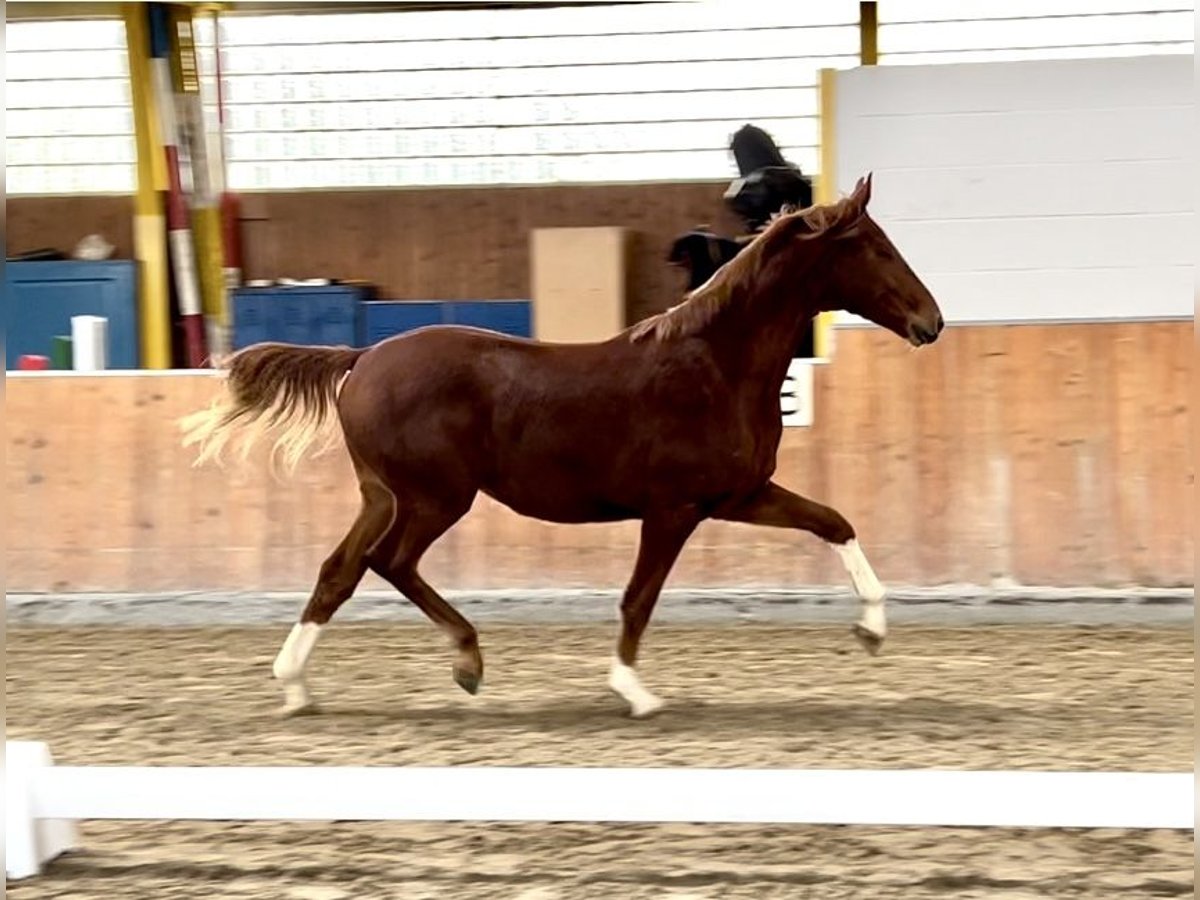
(29,840)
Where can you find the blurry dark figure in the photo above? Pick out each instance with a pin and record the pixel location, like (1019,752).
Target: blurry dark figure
(769,184)
(701,253)
(768,181)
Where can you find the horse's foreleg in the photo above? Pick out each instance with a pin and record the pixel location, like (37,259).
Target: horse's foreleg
(661,540)
(339,576)
(780,508)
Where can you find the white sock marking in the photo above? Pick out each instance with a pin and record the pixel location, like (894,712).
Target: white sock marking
(860,571)
(623,679)
(292,660)
(866,585)
(296,695)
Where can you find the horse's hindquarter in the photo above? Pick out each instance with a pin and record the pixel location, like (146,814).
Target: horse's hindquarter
(414,410)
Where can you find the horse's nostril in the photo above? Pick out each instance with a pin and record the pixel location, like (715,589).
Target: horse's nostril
(925,334)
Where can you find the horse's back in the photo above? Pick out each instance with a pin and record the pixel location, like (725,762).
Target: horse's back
(511,379)
(435,351)
(470,339)
(458,380)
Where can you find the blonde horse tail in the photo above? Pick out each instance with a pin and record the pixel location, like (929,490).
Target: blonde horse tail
(278,391)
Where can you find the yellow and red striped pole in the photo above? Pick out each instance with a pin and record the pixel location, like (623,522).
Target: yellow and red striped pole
(206,217)
(231,207)
(179,232)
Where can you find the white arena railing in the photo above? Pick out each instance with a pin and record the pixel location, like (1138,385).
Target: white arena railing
(44,801)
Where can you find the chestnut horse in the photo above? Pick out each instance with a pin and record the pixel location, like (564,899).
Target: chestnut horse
(672,421)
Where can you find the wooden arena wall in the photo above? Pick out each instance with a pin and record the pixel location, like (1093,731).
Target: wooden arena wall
(1040,454)
(451,244)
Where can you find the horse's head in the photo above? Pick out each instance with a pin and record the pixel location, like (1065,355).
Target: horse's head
(871,279)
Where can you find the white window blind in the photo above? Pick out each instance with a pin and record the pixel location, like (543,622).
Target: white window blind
(585,94)
(923,32)
(632,93)
(67,108)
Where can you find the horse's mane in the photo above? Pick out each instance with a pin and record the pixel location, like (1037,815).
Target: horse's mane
(701,305)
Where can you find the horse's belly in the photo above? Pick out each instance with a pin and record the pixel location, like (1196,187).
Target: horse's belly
(551,503)
(576,487)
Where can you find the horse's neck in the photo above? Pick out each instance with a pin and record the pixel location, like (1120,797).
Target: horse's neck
(755,336)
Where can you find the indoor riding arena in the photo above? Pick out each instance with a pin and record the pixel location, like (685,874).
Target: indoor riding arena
(926,624)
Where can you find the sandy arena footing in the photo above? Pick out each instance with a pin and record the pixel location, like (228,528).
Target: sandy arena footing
(1013,697)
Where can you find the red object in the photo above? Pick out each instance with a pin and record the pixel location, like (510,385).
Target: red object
(33,363)
(194,342)
(177,209)
(231,231)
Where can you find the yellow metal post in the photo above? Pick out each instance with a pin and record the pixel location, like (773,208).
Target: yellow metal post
(826,189)
(868,33)
(149,222)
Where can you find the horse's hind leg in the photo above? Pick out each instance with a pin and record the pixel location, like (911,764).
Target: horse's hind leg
(780,508)
(339,576)
(418,523)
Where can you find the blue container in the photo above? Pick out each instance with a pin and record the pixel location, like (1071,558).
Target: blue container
(328,315)
(383,319)
(513,317)
(41,297)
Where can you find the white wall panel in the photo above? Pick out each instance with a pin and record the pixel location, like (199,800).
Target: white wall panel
(1061,295)
(1003,138)
(1109,83)
(1047,190)
(1124,187)
(954,245)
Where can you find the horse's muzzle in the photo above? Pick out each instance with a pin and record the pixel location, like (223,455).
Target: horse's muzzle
(921,333)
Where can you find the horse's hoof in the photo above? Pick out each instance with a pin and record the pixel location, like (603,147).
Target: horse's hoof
(871,642)
(623,681)
(468,681)
(645,708)
(295,711)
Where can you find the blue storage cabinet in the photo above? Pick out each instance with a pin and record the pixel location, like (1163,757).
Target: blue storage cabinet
(327,315)
(513,317)
(41,297)
(383,319)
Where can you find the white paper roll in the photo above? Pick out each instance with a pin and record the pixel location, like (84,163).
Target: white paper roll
(89,343)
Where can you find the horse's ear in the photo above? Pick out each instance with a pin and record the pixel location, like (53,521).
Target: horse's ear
(862,194)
